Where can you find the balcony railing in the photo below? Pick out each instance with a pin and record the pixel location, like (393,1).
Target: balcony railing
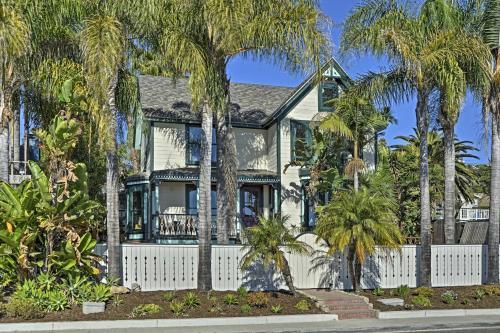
(474,214)
(186,226)
(18,172)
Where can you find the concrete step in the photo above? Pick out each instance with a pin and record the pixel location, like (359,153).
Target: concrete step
(343,306)
(355,314)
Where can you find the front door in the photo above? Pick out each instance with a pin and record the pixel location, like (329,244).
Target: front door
(251,204)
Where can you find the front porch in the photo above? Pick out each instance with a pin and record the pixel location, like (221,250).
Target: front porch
(163,208)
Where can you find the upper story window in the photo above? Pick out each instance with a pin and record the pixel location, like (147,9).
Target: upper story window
(328,90)
(301,140)
(193,145)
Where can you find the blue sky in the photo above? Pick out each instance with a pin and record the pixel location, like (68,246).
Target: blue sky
(469,126)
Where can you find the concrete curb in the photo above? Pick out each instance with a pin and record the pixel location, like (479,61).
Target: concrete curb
(165,323)
(436,313)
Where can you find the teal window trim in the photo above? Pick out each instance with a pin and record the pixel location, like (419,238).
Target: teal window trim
(302,127)
(328,89)
(192,205)
(193,145)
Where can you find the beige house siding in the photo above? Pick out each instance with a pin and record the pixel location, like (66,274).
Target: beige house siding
(169,146)
(251,148)
(291,201)
(272,148)
(172,198)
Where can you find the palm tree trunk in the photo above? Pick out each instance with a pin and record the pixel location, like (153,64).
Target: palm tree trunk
(357,274)
(205,203)
(112,185)
(449,184)
(494,222)
(5,109)
(351,268)
(287,275)
(425,204)
(16,123)
(226,180)
(355,171)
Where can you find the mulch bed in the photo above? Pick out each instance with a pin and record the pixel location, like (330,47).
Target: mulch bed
(133,299)
(464,293)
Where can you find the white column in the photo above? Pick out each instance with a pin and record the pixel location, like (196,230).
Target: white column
(265,198)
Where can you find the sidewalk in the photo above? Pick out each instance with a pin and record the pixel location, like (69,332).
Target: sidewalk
(449,324)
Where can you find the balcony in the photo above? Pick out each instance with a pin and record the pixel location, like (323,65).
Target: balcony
(185,226)
(474,214)
(18,172)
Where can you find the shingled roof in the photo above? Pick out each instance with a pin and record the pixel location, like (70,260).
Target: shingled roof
(251,104)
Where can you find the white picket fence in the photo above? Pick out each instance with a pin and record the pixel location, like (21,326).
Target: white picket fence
(169,267)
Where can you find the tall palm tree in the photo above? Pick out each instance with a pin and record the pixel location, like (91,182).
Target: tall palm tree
(417,52)
(456,75)
(362,120)
(14,44)
(200,38)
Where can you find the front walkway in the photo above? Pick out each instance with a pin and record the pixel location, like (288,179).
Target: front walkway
(345,305)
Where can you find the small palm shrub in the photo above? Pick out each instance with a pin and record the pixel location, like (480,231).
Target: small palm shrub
(169,296)
(178,308)
(378,292)
(56,300)
(267,243)
(402,291)
(258,299)
(100,293)
(421,302)
(303,305)
(424,291)
(276,308)
(449,297)
(117,300)
(355,221)
(230,299)
(144,310)
(191,301)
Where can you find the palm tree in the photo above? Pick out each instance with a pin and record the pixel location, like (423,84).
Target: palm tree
(200,38)
(452,80)
(417,51)
(15,42)
(357,118)
(356,222)
(491,34)
(267,243)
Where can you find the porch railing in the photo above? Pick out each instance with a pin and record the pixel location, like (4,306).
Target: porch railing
(186,226)
(18,172)
(474,214)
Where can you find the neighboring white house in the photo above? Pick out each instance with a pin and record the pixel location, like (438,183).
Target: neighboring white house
(269,122)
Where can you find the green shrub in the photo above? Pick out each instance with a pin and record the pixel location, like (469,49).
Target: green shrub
(377,292)
(216,307)
(46,282)
(402,291)
(424,291)
(191,301)
(258,299)
(2,310)
(242,293)
(465,301)
(449,297)
(144,310)
(479,294)
(276,308)
(117,300)
(169,296)
(178,308)
(245,308)
(100,293)
(23,308)
(421,302)
(57,300)
(303,305)
(230,299)
(74,285)
(492,290)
